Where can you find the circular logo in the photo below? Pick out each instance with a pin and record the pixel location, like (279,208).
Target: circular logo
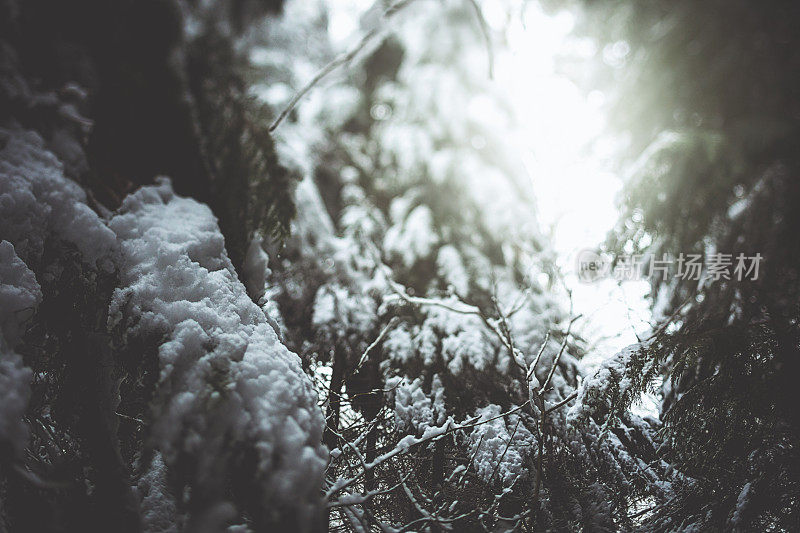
(591,266)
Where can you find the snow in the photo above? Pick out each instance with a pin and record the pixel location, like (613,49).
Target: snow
(492,438)
(451,268)
(459,339)
(742,501)
(431,432)
(466,347)
(158,507)
(225,377)
(738,207)
(414,239)
(19,294)
(610,379)
(37,200)
(256,272)
(312,227)
(399,345)
(325,304)
(416,410)
(255,269)
(339,312)
(38,205)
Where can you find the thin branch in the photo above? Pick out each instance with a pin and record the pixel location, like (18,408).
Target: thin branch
(337,62)
(383,527)
(415,300)
(517,306)
(501,415)
(540,451)
(628,311)
(377,341)
(358,454)
(505,335)
(505,450)
(467,309)
(471,459)
(672,317)
(128,417)
(648,509)
(562,403)
(420,509)
(558,355)
(406,444)
(532,369)
(358,499)
(439,521)
(487,37)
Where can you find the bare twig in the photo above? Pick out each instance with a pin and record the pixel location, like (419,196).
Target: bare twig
(473,423)
(544,411)
(562,403)
(648,509)
(558,355)
(132,418)
(519,304)
(377,341)
(420,509)
(440,521)
(540,452)
(505,450)
(532,369)
(504,333)
(407,443)
(672,317)
(327,69)
(465,309)
(340,60)
(487,37)
(358,499)
(471,459)
(628,311)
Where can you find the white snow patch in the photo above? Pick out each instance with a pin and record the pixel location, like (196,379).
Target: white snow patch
(36,200)
(451,268)
(416,410)
(414,239)
(19,294)
(225,377)
(158,507)
(255,268)
(594,394)
(502,454)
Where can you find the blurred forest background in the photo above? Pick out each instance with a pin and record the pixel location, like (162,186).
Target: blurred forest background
(277,266)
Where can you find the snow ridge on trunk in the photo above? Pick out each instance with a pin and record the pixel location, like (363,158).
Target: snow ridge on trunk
(233,410)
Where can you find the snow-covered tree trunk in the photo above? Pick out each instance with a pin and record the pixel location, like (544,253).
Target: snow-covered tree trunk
(232,412)
(140,386)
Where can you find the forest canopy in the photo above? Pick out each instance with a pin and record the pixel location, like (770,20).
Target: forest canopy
(291,265)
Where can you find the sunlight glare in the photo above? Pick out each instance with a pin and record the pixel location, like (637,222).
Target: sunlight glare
(567,151)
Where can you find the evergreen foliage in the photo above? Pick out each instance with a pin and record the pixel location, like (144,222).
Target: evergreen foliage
(708,98)
(339,312)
